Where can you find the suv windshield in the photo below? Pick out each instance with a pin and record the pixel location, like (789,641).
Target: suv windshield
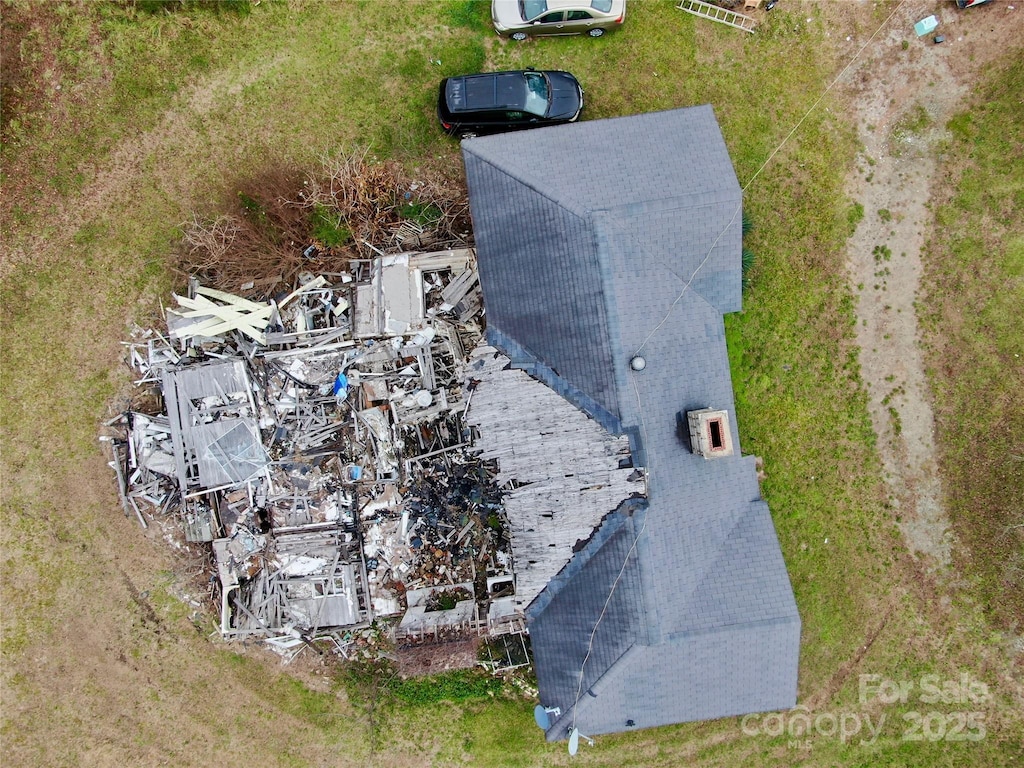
(536,94)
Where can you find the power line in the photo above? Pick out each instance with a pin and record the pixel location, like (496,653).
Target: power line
(686,285)
(758,173)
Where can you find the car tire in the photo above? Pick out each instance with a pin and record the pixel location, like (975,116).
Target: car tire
(520,36)
(596,32)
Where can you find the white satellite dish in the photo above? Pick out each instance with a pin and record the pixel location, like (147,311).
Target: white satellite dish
(574,740)
(544,714)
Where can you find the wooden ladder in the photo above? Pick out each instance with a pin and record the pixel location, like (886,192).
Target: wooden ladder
(719,14)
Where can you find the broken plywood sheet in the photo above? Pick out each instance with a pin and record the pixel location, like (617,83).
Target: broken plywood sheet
(376,422)
(457,260)
(421,618)
(325,600)
(458,288)
(307,579)
(392,304)
(562,468)
(200,316)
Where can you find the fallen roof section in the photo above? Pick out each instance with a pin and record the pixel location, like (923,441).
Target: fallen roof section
(211,412)
(564,471)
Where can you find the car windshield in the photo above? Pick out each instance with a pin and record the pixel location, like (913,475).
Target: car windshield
(604,6)
(536,94)
(531,9)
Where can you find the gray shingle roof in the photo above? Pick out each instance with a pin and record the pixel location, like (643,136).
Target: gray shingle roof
(586,236)
(546,286)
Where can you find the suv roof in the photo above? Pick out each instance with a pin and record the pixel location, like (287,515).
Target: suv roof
(486,91)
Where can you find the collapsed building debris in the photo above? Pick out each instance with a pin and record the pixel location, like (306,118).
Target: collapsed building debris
(563,471)
(317,442)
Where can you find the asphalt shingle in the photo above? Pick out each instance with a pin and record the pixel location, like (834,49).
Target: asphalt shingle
(593,247)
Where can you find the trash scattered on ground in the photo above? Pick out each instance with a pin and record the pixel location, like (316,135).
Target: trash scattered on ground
(926,25)
(316,440)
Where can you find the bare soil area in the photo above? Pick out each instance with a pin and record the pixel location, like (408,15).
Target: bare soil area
(903,95)
(432,658)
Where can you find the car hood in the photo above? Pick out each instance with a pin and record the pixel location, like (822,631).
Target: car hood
(505,14)
(566,96)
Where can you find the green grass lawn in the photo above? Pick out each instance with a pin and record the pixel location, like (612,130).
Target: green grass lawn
(162,114)
(973,307)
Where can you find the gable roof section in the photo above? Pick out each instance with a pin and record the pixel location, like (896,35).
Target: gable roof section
(700,676)
(552,306)
(653,158)
(595,241)
(565,613)
(564,213)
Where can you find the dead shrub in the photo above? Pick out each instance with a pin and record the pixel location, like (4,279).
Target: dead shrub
(354,206)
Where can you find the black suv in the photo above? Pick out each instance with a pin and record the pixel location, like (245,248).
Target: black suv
(506,101)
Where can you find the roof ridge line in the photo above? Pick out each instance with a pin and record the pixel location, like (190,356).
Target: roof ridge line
(709,198)
(674,637)
(614,521)
(528,183)
(688,285)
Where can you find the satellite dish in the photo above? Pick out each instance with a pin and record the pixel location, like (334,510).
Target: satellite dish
(541,716)
(574,742)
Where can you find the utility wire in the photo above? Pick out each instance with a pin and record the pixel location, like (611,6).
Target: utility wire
(757,173)
(625,562)
(686,285)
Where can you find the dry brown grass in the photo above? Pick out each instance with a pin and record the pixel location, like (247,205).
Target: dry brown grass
(88,677)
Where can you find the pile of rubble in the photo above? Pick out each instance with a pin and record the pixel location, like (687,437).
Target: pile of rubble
(317,441)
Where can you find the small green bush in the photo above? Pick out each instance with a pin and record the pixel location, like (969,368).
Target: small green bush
(328,228)
(747,264)
(424,214)
(854,216)
(459,685)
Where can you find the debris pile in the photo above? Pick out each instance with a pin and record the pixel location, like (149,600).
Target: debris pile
(561,472)
(284,221)
(316,440)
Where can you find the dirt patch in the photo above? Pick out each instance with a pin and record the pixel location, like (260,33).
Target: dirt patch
(904,92)
(433,658)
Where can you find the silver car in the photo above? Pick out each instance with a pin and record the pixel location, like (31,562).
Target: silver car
(520,19)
